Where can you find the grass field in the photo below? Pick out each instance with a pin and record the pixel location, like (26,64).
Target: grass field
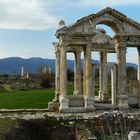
(27,99)
(32,98)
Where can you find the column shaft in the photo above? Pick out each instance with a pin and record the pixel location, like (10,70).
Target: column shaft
(64,101)
(121,61)
(103,93)
(100,81)
(84,74)
(89,101)
(88,72)
(113,85)
(57,75)
(93,79)
(138,72)
(77,73)
(63,72)
(121,83)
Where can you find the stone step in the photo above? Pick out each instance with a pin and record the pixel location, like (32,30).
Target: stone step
(77,110)
(76,101)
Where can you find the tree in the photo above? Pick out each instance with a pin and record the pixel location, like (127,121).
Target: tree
(70,75)
(45,78)
(131,73)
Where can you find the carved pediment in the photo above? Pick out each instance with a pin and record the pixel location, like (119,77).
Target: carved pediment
(112,12)
(119,22)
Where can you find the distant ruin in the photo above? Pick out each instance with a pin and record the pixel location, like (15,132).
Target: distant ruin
(84,36)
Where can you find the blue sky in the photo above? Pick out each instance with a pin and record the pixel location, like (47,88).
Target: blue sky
(27,27)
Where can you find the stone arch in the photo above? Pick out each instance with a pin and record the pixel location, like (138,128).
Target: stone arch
(113,23)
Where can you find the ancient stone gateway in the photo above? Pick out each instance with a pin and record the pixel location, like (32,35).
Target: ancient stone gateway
(83,36)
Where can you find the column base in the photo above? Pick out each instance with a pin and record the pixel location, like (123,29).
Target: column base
(100,94)
(77,92)
(89,103)
(139,102)
(123,102)
(105,97)
(64,103)
(53,106)
(57,93)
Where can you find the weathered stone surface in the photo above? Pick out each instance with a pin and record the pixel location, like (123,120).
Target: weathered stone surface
(83,36)
(133,98)
(134,135)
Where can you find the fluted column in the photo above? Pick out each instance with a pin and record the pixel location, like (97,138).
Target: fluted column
(121,47)
(77,73)
(89,100)
(57,74)
(103,93)
(63,78)
(139,72)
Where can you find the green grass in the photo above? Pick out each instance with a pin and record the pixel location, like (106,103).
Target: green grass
(26,99)
(32,98)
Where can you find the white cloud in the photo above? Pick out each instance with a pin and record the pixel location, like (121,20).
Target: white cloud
(25,14)
(103,3)
(44,14)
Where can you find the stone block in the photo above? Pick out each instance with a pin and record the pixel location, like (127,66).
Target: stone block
(123,102)
(89,103)
(134,135)
(76,101)
(64,103)
(53,106)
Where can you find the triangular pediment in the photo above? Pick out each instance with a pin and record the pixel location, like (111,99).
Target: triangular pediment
(126,26)
(118,15)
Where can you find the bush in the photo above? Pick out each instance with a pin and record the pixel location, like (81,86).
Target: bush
(45,80)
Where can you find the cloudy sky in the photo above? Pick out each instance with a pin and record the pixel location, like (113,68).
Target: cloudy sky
(27,27)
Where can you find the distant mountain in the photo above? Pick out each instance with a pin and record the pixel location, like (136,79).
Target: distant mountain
(131,65)
(12,65)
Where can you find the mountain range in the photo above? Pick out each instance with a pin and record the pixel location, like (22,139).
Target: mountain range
(12,65)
